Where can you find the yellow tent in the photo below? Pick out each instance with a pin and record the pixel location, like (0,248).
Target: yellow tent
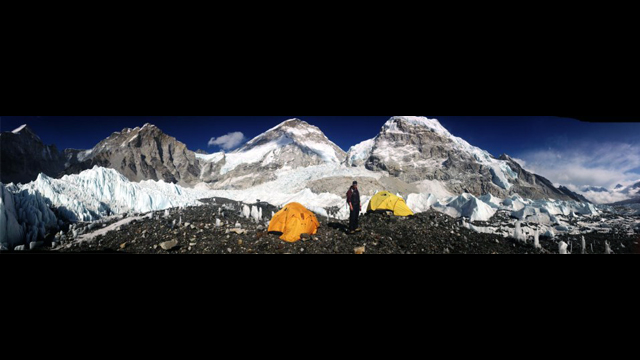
(293,220)
(385,200)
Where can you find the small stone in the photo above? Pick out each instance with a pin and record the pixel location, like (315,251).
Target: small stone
(123,245)
(305,237)
(229,250)
(187,224)
(192,244)
(359,250)
(168,245)
(155,247)
(239,241)
(446,250)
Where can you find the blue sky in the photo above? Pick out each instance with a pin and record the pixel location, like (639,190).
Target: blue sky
(566,151)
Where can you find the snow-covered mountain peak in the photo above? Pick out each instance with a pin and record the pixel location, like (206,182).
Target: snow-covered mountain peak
(281,139)
(25,130)
(422,129)
(24,155)
(293,129)
(417,149)
(141,153)
(400,123)
(18,129)
(291,144)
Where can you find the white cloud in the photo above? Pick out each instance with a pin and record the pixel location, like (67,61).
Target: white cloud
(599,197)
(229,141)
(593,164)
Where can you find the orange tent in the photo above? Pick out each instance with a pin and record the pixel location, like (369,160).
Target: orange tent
(292,221)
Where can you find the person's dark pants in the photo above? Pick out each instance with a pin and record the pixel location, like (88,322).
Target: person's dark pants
(353,218)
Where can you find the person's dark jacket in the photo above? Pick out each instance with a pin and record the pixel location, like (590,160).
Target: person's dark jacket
(353,198)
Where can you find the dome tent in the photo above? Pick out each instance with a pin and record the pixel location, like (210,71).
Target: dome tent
(386,201)
(292,221)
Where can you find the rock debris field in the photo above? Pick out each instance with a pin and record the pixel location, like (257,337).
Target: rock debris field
(223,226)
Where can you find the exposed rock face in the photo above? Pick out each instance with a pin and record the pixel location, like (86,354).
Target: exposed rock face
(415,153)
(415,149)
(573,195)
(534,186)
(140,154)
(24,156)
(367,185)
(292,144)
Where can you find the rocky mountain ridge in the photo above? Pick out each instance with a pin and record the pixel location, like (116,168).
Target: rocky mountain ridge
(409,152)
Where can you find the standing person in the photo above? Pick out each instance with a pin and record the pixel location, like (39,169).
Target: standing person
(353,199)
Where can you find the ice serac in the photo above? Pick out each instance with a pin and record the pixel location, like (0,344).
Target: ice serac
(417,149)
(142,153)
(100,192)
(24,217)
(291,144)
(466,205)
(24,156)
(31,211)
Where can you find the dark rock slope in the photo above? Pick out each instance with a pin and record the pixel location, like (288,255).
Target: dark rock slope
(24,156)
(144,153)
(193,230)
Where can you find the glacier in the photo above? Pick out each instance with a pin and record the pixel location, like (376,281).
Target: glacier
(466,205)
(24,217)
(359,153)
(100,192)
(26,211)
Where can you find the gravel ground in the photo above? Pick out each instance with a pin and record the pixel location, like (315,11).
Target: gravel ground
(193,230)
